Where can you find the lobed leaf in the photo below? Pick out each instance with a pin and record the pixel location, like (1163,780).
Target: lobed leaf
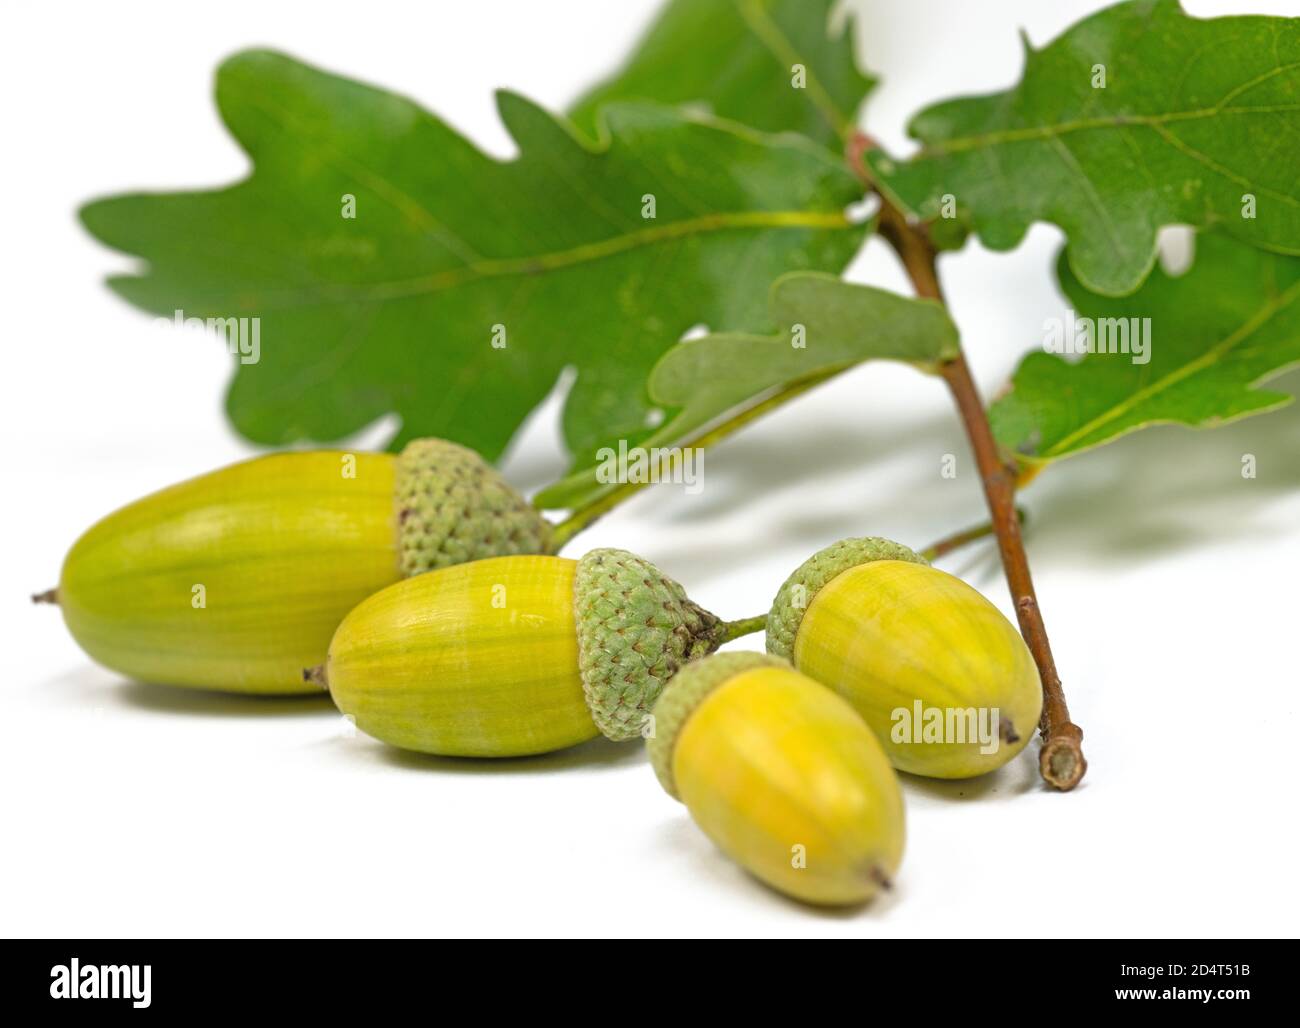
(451,251)
(736,59)
(840,324)
(1196,117)
(1216,332)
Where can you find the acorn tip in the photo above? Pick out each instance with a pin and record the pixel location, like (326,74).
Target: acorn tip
(315,674)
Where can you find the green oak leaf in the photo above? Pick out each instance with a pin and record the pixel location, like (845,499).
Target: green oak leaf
(736,58)
(1216,332)
(1195,115)
(452,251)
(828,325)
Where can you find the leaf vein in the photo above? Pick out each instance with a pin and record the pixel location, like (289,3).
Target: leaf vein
(1260,318)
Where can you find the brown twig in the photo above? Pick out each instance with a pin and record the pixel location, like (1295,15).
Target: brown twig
(1061,760)
(957,540)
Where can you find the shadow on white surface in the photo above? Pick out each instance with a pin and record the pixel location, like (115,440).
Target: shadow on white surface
(168,699)
(682,844)
(595,755)
(1169,488)
(1015,779)
(799,491)
(91,686)
(762,464)
(1160,491)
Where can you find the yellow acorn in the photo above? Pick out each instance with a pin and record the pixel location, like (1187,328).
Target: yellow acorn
(513,656)
(943,679)
(782,775)
(236,580)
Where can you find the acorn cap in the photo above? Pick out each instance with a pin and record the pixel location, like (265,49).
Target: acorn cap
(635,629)
(796,595)
(453,507)
(686,692)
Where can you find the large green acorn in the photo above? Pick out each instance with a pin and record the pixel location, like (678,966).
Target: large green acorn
(943,679)
(516,655)
(236,580)
(783,775)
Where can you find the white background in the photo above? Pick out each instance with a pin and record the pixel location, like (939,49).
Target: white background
(1168,581)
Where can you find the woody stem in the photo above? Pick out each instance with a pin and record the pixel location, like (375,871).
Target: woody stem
(1061,761)
(957,540)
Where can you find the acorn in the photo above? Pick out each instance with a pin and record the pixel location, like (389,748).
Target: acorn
(236,580)
(514,656)
(941,676)
(782,775)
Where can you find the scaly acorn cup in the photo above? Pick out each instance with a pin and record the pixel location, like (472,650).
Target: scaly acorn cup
(237,579)
(943,679)
(516,655)
(782,775)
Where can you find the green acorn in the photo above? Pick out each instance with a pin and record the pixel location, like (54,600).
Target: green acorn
(943,679)
(783,775)
(236,580)
(516,655)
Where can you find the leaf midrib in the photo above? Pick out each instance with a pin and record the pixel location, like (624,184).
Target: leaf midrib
(1053,136)
(1119,120)
(1031,133)
(764,28)
(537,264)
(475,268)
(1205,360)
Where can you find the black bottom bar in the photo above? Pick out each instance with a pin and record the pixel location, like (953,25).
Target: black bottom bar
(161,979)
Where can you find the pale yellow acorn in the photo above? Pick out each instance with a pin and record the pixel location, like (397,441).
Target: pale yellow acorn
(236,580)
(941,676)
(782,775)
(513,656)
